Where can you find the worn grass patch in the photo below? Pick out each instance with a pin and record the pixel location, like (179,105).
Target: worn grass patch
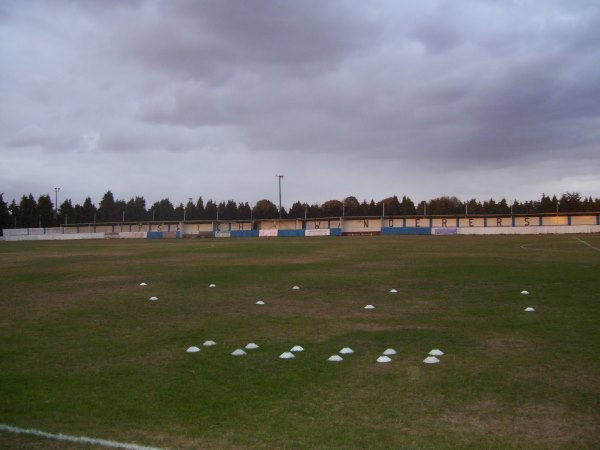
(84,352)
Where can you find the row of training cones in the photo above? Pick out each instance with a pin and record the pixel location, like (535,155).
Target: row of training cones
(384,358)
(261,302)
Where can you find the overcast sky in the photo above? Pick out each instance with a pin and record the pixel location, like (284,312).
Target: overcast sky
(177,99)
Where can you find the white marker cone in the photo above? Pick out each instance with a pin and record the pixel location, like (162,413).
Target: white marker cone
(525,292)
(286,355)
(143,284)
(251,346)
(209,343)
(389,352)
(529,309)
(431,360)
(238,352)
(193,350)
(212,285)
(153,298)
(346,351)
(295,288)
(393,291)
(436,352)
(335,358)
(296,348)
(384,359)
(369,307)
(260,302)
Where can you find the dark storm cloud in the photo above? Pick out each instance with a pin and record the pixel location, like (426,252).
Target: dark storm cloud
(466,93)
(447,87)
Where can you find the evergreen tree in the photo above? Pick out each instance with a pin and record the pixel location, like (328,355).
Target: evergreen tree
(4,215)
(230,210)
(28,215)
(163,210)
(407,207)
(200,211)
(13,208)
(45,211)
(211,210)
(107,211)
(546,205)
(392,206)
(135,210)
(66,213)
(179,212)
(297,210)
(244,211)
(190,212)
(87,213)
(570,202)
(503,207)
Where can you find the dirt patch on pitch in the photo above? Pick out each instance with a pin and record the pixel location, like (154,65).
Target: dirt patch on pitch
(546,425)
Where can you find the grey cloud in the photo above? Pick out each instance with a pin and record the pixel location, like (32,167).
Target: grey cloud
(447,87)
(214,40)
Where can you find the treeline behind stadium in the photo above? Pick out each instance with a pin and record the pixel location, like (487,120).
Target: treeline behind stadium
(42,212)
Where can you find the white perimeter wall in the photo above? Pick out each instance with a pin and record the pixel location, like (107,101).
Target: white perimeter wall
(54,237)
(547,229)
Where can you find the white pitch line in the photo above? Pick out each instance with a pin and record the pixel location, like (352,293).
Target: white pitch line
(79,439)
(587,243)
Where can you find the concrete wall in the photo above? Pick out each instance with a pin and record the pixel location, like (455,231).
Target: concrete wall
(549,229)
(362,225)
(316,224)
(541,224)
(54,237)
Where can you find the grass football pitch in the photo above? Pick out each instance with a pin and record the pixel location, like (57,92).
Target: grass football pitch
(84,352)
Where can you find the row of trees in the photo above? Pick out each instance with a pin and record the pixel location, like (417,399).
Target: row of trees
(30,212)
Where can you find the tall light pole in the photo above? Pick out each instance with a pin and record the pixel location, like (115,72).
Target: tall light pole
(56,189)
(280,177)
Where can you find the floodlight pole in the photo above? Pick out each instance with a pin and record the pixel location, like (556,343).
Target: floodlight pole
(280,177)
(56,189)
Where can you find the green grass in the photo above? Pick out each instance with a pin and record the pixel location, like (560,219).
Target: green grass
(83,351)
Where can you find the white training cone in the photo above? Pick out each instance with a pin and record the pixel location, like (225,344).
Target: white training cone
(286,355)
(393,291)
(143,284)
(335,358)
(212,285)
(296,348)
(389,352)
(295,288)
(529,309)
(369,307)
(384,359)
(260,302)
(193,350)
(153,298)
(209,343)
(238,352)
(436,352)
(346,351)
(525,292)
(431,360)
(251,346)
